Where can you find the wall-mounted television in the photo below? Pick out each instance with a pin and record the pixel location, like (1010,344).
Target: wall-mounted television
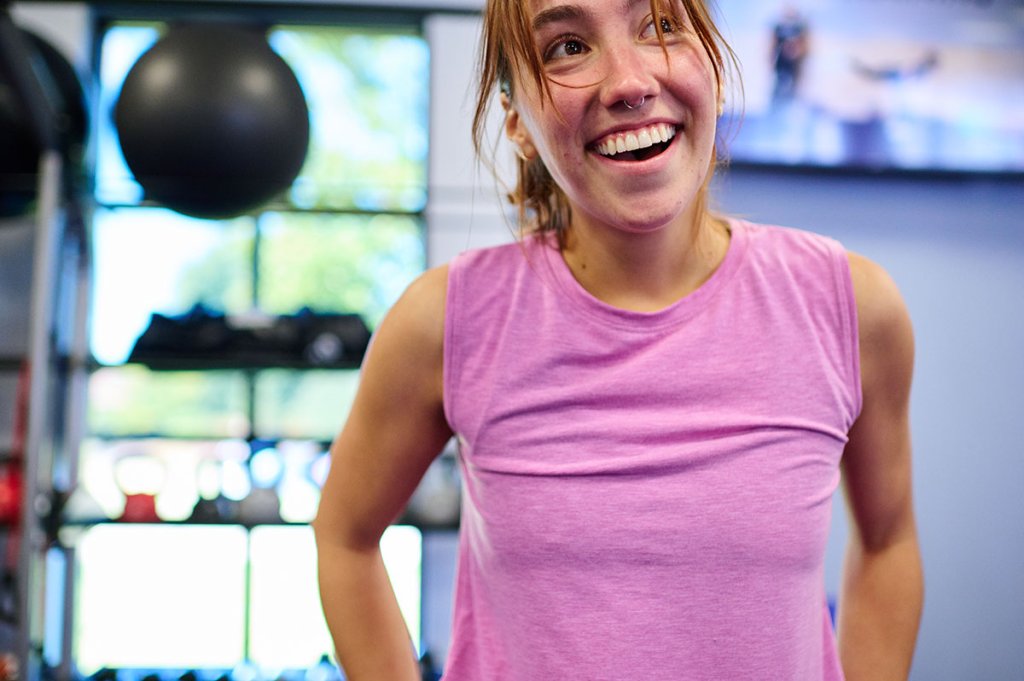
(916,85)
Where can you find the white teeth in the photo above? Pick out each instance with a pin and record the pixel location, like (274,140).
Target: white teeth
(637,139)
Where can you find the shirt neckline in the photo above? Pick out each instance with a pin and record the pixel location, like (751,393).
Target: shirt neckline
(676,313)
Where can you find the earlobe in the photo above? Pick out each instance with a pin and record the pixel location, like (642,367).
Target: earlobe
(517,132)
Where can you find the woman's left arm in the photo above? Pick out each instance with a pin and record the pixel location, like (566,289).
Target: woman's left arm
(883,586)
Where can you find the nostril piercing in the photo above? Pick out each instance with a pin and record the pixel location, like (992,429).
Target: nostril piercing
(637,104)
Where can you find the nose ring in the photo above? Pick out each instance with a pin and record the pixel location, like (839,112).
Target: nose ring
(639,104)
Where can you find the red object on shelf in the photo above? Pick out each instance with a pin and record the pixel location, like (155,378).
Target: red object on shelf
(139,508)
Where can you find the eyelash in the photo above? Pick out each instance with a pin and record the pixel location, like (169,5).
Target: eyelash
(562,41)
(668,24)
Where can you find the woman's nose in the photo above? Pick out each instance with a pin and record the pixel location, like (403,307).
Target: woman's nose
(629,74)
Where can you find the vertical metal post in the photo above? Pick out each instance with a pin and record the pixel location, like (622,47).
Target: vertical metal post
(65,668)
(75,426)
(38,433)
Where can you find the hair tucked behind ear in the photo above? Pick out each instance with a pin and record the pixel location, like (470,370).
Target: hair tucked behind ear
(543,207)
(507,48)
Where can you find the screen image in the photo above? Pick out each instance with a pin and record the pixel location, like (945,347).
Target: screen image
(883,84)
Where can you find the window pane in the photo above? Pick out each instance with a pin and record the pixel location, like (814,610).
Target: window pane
(287,629)
(121,47)
(337,263)
(367,95)
(151,596)
(132,401)
(153,260)
(303,404)
(299,488)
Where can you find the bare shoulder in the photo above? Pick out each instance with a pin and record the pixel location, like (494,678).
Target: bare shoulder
(431,287)
(885,330)
(416,321)
(406,353)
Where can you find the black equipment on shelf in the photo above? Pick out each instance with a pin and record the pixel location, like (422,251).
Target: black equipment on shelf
(205,339)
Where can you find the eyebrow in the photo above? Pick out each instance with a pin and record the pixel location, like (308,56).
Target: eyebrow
(569,12)
(553,15)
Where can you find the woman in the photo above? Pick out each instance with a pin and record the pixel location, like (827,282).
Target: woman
(652,402)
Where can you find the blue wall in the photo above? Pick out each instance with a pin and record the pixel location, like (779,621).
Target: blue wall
(956,249)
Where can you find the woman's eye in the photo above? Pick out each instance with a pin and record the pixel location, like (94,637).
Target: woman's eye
(566,46)
(667,26)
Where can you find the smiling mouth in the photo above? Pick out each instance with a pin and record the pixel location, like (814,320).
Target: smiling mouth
(637,145)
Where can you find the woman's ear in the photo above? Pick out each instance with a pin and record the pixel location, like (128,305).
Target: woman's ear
(516,131)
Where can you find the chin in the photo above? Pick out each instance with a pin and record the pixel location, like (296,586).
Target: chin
(652,218)
(645,224)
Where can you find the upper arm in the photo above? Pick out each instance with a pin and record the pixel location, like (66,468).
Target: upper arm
(876,462)
(396,426)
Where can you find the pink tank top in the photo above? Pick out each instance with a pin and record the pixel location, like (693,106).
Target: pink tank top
(648,495)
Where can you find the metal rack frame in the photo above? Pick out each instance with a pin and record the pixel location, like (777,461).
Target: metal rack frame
(56,391)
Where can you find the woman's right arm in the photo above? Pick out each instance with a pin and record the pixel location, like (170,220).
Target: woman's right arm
(395,429)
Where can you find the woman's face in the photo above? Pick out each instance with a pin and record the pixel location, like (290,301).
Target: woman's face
(612,88)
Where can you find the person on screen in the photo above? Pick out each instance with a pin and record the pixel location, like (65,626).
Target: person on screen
(790,45)
(653,401)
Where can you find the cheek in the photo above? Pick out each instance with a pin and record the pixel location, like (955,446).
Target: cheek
(554,134)
(693,74)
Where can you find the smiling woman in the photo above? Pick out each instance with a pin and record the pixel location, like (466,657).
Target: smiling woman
(653,403)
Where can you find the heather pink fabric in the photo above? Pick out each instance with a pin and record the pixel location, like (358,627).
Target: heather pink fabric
(648,495)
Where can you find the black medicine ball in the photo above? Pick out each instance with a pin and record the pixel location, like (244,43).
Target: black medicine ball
(212,121)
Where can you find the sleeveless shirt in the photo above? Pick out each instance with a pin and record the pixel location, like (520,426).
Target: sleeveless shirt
(648,495)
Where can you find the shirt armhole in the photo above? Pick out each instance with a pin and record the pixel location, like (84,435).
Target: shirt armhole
(450,358)
(850,329)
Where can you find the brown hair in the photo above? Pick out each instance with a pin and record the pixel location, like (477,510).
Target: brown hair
(507,47)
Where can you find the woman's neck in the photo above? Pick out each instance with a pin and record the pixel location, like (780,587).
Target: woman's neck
(645,272)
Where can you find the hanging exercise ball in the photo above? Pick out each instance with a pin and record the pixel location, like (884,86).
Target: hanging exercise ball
(212,122)
(19,149)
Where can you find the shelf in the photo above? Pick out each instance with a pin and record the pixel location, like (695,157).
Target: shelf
(9,363)
(170,364)
(62,362)
(236,363)
(92,522)
(249,438)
